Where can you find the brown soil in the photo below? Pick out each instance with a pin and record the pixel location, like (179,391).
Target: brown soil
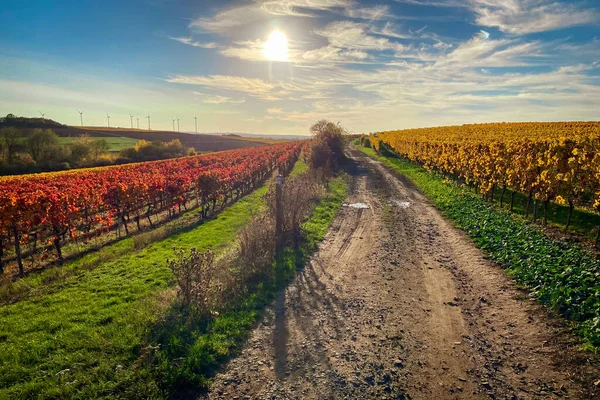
(398,303)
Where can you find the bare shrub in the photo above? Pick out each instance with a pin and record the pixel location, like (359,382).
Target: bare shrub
(257,239)
(257,249)
(208,285)
(195,275)
(299,195)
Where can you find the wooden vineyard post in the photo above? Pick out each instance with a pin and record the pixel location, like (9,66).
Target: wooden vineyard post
(279,274)
(278,213)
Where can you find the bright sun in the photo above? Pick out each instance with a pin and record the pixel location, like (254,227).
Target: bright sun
(276,48)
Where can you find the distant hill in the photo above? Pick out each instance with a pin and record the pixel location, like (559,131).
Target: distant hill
(200,142)
(29,123)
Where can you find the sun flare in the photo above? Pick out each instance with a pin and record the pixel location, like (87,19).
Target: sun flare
(276,47)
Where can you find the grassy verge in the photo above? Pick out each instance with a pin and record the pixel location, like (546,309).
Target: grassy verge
(85,340)
(188,356)
(563,277)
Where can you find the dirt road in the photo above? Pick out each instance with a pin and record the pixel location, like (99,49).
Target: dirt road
(399,304)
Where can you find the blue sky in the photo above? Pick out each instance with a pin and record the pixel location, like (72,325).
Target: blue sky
(372,65)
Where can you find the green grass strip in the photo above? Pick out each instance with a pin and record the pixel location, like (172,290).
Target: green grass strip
(82,341)
(564,277)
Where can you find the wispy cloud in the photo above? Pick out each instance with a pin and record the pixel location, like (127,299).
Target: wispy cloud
(228,19)
(297,7)
(216,99)
(353,35)
(274,110)
(529,16)
(250,50)
(334,54)
(370,13)
(521,17)
(261,89)
(235,83)
(190,42)
(262,10)
(390,31)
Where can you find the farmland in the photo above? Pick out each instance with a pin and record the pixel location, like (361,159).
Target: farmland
(115,143)
(85,203)
(548,162)
(427,257)
(200,142)
(125,137)
(120,302)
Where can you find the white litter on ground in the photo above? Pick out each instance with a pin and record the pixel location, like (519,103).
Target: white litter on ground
(402,204)
(356,205)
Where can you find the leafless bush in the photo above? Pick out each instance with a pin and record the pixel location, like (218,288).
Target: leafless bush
(195,275)
(208,285)
(257,239)
(257,249)
(298,198)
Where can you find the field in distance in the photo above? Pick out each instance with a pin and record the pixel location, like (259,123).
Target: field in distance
(200,142)
(115,143)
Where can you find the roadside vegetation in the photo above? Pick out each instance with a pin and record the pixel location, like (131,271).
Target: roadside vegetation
(222,298)
(561,275)
(157,319)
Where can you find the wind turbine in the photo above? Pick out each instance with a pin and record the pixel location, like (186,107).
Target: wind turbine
(108,119)
(173,119)
(42,114)
(80,116)
(148,121)
(196,124)
(138,123)
(131,120)
(177,124)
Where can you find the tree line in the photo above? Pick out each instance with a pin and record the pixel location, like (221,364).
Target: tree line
(42,151)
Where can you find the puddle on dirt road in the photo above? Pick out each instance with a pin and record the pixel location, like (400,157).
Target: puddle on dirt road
(401,204)
(356,205)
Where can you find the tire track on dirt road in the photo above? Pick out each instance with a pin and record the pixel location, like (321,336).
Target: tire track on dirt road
(397,303)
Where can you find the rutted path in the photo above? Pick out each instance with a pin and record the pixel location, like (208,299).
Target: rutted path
(398,303)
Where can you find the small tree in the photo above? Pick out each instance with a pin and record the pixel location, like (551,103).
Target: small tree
(333,135)
(326,150)
(99,148)
(80,150)
(10,140)
(44,147)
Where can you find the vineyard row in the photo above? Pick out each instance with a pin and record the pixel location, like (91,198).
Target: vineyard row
(557,162)
(53,207)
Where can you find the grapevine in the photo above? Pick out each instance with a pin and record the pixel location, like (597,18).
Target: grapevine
(54,207)
(548,162)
